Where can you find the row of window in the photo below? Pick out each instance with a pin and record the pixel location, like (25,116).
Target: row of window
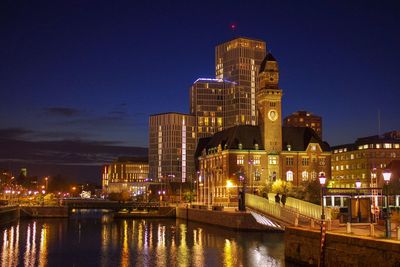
(304,176)
(367,155)
(305,161)
(368,146)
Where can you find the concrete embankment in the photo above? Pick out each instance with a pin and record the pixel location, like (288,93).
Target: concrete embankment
(9,214)
(162,212)
(302,246)
(44,212)
(229,219)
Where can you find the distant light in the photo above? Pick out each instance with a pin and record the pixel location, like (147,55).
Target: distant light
(322,180)
(386,175)
(233,26)
(358,184)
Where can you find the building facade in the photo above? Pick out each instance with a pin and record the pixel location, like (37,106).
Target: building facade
(208,104)
(365,160)
(246,157)
(239,60)
(172,143)
(304,118)
(126,174)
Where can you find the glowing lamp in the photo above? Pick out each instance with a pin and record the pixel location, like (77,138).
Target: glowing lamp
(386,176)
(322,180)
(358,184)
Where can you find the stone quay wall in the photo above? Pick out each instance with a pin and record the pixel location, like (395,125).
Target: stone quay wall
(8,214)
(44,212)
(232,220)
(303,247)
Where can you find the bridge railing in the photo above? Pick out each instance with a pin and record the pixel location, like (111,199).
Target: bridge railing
(305,208)
(303,211)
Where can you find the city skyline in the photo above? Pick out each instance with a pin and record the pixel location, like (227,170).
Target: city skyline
(87,73)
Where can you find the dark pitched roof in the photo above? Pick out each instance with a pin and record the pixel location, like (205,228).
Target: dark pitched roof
(299,137)
(268,57)
(247,135)
(230,138)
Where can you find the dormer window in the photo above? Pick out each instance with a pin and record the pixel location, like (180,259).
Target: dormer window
(240,146)
(289,147)
(256,146)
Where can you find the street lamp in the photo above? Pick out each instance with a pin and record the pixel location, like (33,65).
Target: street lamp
(386,177)
(358,186)
(322,181)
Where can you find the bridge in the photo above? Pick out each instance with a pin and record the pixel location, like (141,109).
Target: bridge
(110,205)
(295,213)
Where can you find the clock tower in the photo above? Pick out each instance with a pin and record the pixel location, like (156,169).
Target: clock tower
(269,97)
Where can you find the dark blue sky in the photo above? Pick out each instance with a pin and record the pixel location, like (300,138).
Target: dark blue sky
(94,70)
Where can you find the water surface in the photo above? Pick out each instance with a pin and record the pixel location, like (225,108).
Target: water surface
(96,239)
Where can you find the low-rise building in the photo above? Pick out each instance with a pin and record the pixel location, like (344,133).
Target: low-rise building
(126,174)
(304,118)
(365,159)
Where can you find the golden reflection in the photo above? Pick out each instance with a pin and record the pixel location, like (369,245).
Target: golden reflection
(228,256)
(4,256)
(43,246)
(105,243)
(161,258)
(140,236)
(183,254)
(125,247)
(198,251)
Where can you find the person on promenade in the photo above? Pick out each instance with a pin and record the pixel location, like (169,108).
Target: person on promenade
(283,199)
(277,198)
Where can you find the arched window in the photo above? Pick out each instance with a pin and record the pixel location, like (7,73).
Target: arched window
(304,176)
(289,176)
(313,175)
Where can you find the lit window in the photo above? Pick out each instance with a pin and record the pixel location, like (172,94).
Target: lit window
(352,156)
(378,145)
(240,160)
(313,175)
(304,176)
(322,162)
(273,160)
(289,161)
(257,160)
(396,145)
(365,147)
(289,176)
(304,161)
(387,145)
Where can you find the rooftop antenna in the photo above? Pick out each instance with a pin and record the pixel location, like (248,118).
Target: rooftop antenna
(233,27)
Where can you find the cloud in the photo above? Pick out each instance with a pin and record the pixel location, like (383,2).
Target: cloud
(62,111)
(14,133)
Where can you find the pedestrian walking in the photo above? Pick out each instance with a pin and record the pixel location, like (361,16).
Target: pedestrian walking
(277,198)
(283,199)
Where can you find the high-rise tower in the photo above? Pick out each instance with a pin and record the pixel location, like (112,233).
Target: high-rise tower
(238,61)
(269,97)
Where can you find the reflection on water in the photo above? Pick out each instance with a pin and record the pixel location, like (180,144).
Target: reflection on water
(98,240)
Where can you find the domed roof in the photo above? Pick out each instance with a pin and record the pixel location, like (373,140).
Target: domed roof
(268,57)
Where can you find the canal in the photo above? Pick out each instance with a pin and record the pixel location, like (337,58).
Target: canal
(91,238)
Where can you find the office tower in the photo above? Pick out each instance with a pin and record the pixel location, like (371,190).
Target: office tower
(207,104)
(172,143)
(238,60)
(304,118)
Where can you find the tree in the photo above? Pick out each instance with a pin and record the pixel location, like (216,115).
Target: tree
(312,191)
(282,187)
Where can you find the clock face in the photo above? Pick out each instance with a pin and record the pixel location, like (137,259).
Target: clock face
(273,115)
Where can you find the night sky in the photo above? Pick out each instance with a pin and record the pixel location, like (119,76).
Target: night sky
(92,71)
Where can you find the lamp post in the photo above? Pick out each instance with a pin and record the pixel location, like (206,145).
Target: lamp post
(322,181)
(358,186)
(386,177)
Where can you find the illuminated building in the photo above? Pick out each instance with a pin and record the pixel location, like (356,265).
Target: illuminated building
(253,156)
(172,142)
(126,174)
(304,119)
(238,60)
(208,104)
(365,159)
